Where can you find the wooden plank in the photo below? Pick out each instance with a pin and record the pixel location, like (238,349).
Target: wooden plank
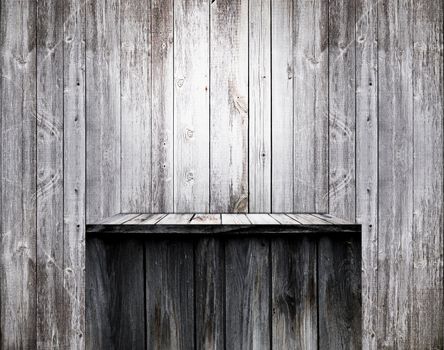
(18,174)
(427,326)
(51,326)
(169,295)
(308,219)
(310,84)
(262,219)
(103,108)
(395,157)
(332,219)
(229,106)
(206,219)
(284,219)
(247,300)
(146,219)
(176,219)
(191,105)
(282,106)
(294,294)
(210,292)
(74,173)
(135,105)
(367,160)
(118,219)
(259,106)
(115,294)
(235,219)
(342,108)
(162,105)
(339,288)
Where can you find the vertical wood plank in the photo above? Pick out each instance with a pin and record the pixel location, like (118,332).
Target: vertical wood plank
(310,83)
(229,106)
(210,292)
(135,80)
(294,294)
(247,300)
(339,288)
(74,173)
(395,202)
(367,161)
(342,108)
(170,295)
(103,108)
(191,105)
(428,244)
(18,174)
(259,106)
(282,72)
(115,300)
(51,326)
(162,108)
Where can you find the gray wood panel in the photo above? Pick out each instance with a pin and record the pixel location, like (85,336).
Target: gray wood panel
(229,106)
(18,174)
(50,292)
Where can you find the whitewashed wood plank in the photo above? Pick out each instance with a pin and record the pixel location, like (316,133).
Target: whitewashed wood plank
(206,219)
(191,105)
(18,174)
(235,219)
(333,219)
(427,326)
(262,219)
(395,200)
(135,84)
(367,160)
(146,219)
(259,106)
(308,219)
(162,72)
(229,106)
(342,108)
(310,83)
(103,109)
(282,105)
(179,219)
(284,219)
(51,327)
(118,219)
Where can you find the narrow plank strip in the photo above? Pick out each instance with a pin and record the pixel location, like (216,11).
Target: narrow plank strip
(162,108)
(103,108)
(310,55)
(339,286)
(332,219)
(284,219)
(18,174)
(229,106)
(118,219)
(74,172)
(282,106)
(210,292)
(259,44)
(135,84)
(262,219)
(51,327)
(115,294)
(428,220)
(179,219)
(342,108)
(146,219)
(191,105)
(247,299)
(235,219)
(294,294)
(308,219)
(169,295)
(206,219)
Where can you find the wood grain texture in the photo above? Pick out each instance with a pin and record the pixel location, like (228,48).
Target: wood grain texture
(103,108)
(247,300)
(170,295)
(191,105)
(162,108)
(310,107)
(342,114)
(427,327)
(18,175)
(135,105)
(115,294)
(229,106)
(339,288)
(282,71)
(294,294)
(259,87)
(395,201)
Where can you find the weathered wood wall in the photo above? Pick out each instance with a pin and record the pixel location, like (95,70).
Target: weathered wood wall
(274,105)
